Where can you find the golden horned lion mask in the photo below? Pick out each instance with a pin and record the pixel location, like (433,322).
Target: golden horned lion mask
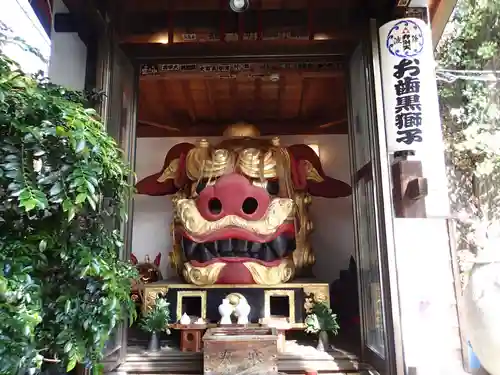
(240,207)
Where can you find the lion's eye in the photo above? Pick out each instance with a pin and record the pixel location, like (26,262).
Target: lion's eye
(202,184)
(273,187)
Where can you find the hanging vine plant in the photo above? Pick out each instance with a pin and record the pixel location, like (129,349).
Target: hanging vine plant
(63,185)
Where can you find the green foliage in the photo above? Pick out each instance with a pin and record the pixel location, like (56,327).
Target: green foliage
(63,184)
(321,318)
(156,320)
(470,111)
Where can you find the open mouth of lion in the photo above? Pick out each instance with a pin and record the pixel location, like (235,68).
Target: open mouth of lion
(235,255)
(229,250)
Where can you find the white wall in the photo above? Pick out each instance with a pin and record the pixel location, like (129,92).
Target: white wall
(332,240)
(68,56)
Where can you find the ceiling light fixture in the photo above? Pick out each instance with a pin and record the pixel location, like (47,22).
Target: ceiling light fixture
(239,6)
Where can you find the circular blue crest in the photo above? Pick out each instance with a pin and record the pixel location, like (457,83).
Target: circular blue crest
(405,39)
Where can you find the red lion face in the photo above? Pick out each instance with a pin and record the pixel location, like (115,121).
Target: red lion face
(236,208)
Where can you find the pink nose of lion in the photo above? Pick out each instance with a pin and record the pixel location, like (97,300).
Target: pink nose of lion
(233,194)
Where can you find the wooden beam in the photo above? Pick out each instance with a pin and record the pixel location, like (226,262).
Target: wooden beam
(197,5)
(267,128)
(332,21)
(90,23)
(157,125)
(244,69)
(440,12)
(241,76)
(197,52)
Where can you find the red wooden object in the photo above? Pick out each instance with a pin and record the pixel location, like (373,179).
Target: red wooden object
(191,339)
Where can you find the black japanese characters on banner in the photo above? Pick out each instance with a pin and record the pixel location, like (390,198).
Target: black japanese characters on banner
(408,109)
(411,106)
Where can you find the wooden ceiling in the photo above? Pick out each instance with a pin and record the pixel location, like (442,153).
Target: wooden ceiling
(278,101)
(140,21)
(153,5)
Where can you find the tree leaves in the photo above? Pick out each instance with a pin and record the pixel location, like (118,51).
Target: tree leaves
(62,287)
(471,118)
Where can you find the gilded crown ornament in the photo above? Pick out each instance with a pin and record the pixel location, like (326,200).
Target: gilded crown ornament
(241,130)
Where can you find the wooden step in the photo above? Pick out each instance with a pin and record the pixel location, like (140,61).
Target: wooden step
(296,360)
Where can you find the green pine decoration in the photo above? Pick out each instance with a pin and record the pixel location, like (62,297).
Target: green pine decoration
(156,320)
(321,318)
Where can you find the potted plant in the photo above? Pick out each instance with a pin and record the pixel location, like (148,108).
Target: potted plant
(321,320)
(156,321)
(63,184)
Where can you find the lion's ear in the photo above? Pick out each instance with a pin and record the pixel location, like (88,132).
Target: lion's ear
(166,182)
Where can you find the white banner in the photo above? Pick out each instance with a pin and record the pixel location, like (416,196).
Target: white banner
(411,106)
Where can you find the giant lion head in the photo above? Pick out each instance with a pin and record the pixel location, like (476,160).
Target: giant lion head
(240,207)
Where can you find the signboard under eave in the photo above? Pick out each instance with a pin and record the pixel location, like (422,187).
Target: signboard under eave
(411,106)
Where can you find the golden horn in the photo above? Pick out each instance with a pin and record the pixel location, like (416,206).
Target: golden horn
(170,172)
(311,173)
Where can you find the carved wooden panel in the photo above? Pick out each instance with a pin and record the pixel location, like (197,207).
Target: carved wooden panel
(236,350)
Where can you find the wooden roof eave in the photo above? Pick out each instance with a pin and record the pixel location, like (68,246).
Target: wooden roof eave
(89,22)
(440,13)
